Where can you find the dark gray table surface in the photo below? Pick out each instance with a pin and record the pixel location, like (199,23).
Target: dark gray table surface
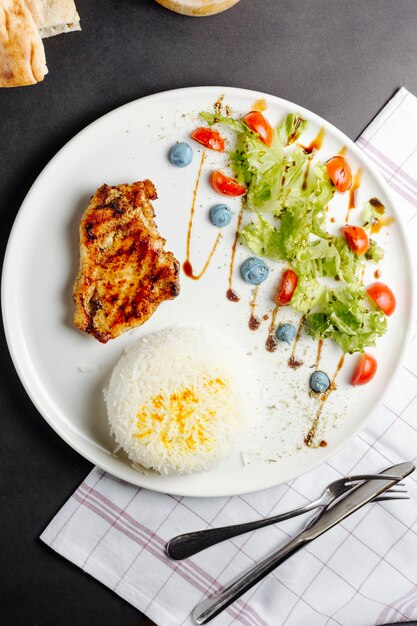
(343,60)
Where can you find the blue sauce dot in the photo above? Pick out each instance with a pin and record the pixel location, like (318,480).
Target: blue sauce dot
(286,332)
(181,155)
(319,382)
(254,271)
(220,215)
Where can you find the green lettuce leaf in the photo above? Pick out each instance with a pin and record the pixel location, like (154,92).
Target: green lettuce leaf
(289,130)
(264,190)
(374,253)
(373,211)
(263,238)
(351,265)
(307,294)
(323,189)
(316,258)
(215,118)
(310,195)
(345,316)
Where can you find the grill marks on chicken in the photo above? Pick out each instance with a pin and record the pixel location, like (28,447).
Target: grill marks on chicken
(125,273)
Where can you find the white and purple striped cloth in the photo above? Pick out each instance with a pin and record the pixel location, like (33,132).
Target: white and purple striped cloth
(362,573)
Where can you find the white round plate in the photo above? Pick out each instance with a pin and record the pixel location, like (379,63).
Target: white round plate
(64,371)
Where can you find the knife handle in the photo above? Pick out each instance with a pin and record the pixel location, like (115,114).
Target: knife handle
(207,609)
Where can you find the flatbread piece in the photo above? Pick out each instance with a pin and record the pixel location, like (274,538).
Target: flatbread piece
(22,55)
(53,17)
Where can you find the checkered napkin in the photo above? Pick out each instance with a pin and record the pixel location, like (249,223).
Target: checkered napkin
(361,573)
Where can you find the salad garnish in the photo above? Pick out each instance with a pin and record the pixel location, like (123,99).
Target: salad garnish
(287,192)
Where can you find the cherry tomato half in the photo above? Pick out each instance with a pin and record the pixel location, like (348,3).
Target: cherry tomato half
(356,237)
(383,297)
(289,280)
(340,173)
(256,122)
(225,185)
(365,370)
(209,138)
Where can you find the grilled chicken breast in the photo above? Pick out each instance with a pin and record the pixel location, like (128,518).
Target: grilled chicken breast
(124,273)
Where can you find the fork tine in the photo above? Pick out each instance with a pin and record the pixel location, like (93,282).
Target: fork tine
(393,490)
(396,484)
(384,498)
(353,483)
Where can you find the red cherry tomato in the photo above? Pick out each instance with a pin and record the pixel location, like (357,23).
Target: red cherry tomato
(365,370)
(209,138)
(383,297)
(225,185)
(340,173)
(356,238)
(289,280)
(256,122)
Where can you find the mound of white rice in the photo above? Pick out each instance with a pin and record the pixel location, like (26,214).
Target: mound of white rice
(174,401)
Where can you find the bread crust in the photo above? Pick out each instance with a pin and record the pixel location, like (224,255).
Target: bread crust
(56,17)
(22,55)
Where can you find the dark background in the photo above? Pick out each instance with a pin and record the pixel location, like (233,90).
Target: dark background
(343,60)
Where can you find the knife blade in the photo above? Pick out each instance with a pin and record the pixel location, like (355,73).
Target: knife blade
(355,498)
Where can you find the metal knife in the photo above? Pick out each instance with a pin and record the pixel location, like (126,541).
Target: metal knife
(356,498)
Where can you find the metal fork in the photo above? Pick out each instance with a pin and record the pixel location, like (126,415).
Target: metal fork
(184,546)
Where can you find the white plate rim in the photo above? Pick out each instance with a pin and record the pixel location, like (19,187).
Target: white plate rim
(11,330)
